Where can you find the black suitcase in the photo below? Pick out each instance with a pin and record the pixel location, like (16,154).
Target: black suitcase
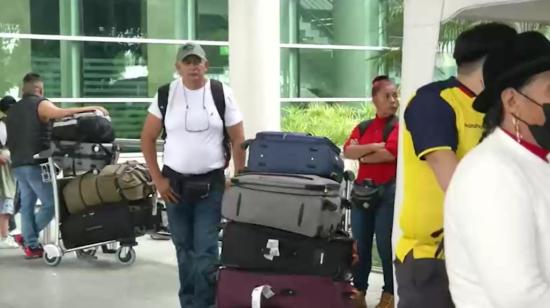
(258,248)
(91,127)
(108,223)
(145,216)
(78,157)
(296,153)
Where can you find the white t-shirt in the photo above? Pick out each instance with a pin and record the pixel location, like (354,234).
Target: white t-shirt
(196,148)
(497,227)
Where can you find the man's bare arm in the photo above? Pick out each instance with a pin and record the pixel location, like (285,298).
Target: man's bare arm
(49,111)
(443,164)
(236,135)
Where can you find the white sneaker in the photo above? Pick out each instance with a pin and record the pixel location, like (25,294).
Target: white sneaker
(8,243)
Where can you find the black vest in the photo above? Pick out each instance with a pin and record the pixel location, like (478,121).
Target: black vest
(27,135)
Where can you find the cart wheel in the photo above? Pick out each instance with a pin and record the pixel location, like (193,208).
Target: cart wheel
(126,255)
(51,261)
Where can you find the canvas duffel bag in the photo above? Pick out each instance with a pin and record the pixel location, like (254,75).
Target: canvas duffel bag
(129,181)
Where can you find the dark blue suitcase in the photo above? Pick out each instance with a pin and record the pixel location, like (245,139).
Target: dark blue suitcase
(294,153)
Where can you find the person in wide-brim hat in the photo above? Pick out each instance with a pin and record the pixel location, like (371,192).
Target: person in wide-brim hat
(497,209)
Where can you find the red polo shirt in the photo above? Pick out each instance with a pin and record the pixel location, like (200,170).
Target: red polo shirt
(379,173)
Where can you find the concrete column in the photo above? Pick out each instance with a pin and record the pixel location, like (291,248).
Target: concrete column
(70,52)
(254,61)
(356,22)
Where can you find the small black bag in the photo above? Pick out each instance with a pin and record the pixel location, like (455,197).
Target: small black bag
(366,194)
(193,188)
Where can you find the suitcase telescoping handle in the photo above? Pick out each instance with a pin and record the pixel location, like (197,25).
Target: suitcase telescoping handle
(296,176)
(312,187)
(247,142)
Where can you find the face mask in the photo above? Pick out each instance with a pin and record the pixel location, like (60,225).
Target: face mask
(540,133)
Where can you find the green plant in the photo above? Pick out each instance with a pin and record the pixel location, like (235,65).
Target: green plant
(334,121)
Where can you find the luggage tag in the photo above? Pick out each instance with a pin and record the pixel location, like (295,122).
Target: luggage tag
(273,246)
(259,292)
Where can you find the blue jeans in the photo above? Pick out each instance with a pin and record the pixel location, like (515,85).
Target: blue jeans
(194,229)
(364,224)
(29,181)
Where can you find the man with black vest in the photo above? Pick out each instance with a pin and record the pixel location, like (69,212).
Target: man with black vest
(27,130)
(202,127)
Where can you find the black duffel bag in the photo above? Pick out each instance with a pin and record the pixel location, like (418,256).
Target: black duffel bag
(93,127)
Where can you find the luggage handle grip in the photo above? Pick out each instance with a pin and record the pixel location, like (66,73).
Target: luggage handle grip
(246,144)
(296,176)
(327,205)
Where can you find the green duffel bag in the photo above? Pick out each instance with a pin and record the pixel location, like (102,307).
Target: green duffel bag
(129,181)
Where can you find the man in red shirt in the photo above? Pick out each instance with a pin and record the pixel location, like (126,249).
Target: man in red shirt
(374,144)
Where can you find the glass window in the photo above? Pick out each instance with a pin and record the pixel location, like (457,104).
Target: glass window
(19,57)
(113,18)
(114,70)
(338,22)
(34,16)
(212,22)
(331,73)
(137,70)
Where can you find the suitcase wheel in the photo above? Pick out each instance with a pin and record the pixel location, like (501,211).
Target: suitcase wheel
(126,255)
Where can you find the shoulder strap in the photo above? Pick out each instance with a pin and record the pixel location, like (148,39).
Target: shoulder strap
(363,127)
(219,100)
(389,127)
(162,98)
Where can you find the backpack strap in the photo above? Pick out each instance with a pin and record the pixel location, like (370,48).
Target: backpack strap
(363,126)
(162,100)
(219,100)
(388,128)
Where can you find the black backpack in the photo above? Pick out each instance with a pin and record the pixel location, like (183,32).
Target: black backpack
(219,100)
(387,128)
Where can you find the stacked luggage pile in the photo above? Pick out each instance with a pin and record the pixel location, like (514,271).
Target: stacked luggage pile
(284,245)
(99,201)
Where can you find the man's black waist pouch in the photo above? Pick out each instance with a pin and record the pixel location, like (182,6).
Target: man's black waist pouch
(194,187)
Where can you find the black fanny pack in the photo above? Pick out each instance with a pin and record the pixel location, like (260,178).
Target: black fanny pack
(194,187)
(366,194)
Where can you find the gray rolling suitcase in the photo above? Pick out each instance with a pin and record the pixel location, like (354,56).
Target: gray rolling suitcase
(303,204)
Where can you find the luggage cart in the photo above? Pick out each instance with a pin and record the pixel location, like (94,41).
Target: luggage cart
(348,179)
(54,250)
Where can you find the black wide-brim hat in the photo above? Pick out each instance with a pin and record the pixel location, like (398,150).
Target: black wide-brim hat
(526,55)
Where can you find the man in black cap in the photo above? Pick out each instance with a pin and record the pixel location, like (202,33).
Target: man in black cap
(497,214)
(202,127)
(440,128)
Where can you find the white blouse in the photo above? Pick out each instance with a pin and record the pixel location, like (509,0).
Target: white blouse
(497,227)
